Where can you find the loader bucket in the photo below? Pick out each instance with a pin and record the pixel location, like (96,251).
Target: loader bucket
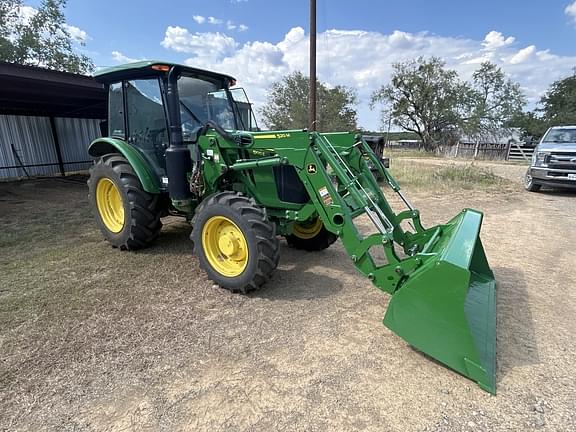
(447,307)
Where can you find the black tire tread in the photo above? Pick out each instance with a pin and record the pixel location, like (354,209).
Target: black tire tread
(533,186)
(144,212)
(323,240)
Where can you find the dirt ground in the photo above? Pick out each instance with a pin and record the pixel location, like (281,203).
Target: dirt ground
(94,339)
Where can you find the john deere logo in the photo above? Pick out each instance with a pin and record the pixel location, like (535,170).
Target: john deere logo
(311,168)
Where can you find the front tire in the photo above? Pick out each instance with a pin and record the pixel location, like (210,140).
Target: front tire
(529,183)
(235,243)
(310,236)
(127,215)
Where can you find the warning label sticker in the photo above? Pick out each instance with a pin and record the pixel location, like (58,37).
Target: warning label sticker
(325,195)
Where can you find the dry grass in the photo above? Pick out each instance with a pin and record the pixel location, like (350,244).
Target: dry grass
(446,176)
(393,152)
(399,153)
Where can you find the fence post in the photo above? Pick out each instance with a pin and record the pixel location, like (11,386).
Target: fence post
(508,148)
(457,147)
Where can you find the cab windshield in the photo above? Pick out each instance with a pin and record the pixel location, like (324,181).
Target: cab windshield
(202,100)
(560,136)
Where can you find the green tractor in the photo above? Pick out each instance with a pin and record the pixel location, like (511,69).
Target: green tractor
(182,142)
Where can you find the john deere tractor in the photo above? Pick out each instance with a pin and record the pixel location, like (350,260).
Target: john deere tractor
(181,141)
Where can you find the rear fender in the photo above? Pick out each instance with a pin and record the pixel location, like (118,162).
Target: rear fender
(144,171)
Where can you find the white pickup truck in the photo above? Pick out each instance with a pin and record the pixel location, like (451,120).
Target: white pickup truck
(554,160)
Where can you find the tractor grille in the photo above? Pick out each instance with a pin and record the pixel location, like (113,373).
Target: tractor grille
(565,161)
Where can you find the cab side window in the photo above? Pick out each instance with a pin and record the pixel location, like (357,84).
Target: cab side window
(116,127)
(146,118)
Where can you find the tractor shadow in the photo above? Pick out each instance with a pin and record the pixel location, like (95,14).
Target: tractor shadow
(298,275)
(174,239)
(516,343)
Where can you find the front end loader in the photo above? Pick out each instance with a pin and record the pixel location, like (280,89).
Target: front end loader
(182,142)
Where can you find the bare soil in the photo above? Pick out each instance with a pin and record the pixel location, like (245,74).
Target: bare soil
(94,339)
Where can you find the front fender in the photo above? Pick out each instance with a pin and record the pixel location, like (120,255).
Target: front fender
(144,171)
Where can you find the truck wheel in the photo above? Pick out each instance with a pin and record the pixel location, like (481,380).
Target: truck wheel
(310,236)
(529,184)
(234,241)
(128,216)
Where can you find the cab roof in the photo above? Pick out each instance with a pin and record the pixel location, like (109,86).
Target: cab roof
(141,68)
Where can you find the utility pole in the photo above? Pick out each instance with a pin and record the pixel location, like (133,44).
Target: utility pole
(312,93)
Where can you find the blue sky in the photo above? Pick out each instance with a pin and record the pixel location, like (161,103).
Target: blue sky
(259,41)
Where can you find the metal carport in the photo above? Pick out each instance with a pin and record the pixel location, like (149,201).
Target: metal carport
(47,119)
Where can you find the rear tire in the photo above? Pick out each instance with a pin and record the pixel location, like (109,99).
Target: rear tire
(530,185)
(235,243)
(311,237)
(127,215)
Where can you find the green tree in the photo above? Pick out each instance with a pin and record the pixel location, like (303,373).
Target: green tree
(559,103)
(287,105)
(425,98)
(557,107)
(40,39)
(495,101)
(531,123)
(430,100)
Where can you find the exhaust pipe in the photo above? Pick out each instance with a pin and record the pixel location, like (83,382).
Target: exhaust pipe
(178,160)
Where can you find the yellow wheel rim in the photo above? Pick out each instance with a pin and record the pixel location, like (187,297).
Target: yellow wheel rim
(225,246)
(307,230)
(110,205)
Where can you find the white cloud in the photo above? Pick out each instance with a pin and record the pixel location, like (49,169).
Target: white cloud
(214,21)
(495,40)
(26,13)
(523,55)
(230,25)
(570,11)
(212,46)
(121,58)
(363,60)
(199,19)
(77,34)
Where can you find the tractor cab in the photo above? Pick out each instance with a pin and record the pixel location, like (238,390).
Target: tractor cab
(149,99)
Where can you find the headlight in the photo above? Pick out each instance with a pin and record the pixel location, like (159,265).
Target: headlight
(540,159)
